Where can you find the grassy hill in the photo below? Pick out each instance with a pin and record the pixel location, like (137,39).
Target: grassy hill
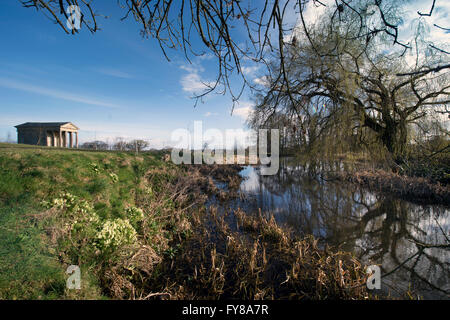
(35,244)
(140,228)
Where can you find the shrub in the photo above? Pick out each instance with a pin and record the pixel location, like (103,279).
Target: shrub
(95,167)
(71,204)
(115,233)
(114,177)
(134,215)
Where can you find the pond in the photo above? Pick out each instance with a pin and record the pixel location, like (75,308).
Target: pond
(410,242)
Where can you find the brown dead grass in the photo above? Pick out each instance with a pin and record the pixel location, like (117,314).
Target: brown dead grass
(264,263)
(414,189)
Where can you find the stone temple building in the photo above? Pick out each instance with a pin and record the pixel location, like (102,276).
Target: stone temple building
(50,134)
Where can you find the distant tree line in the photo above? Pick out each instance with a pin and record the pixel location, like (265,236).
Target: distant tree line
(120,144)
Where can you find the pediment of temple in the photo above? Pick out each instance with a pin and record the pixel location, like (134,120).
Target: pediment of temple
(69,126)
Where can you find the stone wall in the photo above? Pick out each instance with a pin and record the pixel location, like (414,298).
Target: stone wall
(32,136)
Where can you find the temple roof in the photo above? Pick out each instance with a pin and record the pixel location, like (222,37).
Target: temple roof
(45,124)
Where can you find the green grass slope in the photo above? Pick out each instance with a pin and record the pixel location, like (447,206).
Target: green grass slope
(33,254)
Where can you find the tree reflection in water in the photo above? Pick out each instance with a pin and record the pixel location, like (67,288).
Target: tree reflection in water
(409,241)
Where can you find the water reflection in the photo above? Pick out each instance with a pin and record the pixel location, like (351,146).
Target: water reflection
(410,242)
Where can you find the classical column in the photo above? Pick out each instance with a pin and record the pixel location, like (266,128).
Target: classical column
(60,139)
(54,143)
(76,140)
(70,139)
(64,139)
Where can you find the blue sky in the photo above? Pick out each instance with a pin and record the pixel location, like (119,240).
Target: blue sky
(111,84)
(114,83)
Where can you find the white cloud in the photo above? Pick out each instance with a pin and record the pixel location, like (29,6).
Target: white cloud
(58,94)
(250,71)
(311,14)
(440,16)
(205,56)
(314,11)
(209,114)
(431,34)
(114,73)
(192,82)
(262,81)
(192,68)
(244,110)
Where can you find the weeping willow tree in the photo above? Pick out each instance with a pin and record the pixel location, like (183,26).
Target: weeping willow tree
(347,89)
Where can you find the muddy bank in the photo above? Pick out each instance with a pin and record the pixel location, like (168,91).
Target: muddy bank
(415,189)
(221,181)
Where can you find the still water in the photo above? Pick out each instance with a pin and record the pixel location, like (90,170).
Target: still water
(410,242)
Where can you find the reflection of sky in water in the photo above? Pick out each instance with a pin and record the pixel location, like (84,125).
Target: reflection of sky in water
(251,182)
(379,229)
